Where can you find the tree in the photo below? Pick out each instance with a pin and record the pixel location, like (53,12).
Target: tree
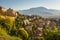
(18,21)
(23,34)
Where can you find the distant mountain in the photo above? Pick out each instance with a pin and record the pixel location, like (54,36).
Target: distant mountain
(42,11)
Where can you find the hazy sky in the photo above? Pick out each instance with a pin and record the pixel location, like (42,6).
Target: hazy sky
(26,4)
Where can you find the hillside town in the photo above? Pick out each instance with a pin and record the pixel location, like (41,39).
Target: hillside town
(35,25)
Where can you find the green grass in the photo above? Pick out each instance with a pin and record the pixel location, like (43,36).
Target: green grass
(7,37)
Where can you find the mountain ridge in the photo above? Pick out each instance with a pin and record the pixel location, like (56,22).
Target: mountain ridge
(42,11)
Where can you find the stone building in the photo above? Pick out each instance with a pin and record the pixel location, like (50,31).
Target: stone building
(2,11)
(11,12)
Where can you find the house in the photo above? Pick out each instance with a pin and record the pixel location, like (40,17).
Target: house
(26,22)
(29,26)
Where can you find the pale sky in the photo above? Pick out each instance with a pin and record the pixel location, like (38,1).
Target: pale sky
(26,4)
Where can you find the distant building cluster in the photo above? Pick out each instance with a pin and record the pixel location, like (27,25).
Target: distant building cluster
(8,12)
